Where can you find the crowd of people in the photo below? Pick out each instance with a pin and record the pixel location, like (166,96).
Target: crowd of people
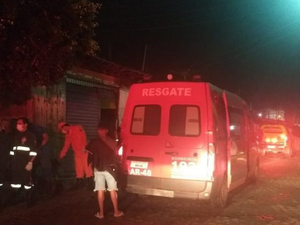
(26,160)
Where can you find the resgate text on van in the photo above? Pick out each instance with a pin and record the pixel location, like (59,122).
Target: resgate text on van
(153,92)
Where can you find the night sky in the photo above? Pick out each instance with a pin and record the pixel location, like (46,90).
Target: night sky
(249,47)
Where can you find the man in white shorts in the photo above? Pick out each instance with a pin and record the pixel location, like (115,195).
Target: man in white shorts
(102,156)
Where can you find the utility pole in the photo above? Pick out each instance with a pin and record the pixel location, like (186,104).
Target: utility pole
(144,59)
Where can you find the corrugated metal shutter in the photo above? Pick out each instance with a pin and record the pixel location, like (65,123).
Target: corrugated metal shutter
(84,103)
(83,108)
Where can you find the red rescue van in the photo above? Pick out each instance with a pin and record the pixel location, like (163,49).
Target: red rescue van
(187,140)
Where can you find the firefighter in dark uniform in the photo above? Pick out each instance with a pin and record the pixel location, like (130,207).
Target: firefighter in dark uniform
(5,146)
(23,154)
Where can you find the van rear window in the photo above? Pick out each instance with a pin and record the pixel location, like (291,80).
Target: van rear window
(276,130)
(184,120)
(146,120)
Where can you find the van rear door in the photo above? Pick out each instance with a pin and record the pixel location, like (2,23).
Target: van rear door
(183,142)
(146,141)
(184,157)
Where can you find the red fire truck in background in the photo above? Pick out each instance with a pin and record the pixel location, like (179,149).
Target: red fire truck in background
(279,138)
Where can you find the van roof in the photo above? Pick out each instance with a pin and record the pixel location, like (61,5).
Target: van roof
(168,82)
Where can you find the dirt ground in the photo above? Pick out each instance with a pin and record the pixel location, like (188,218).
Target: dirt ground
(275,199)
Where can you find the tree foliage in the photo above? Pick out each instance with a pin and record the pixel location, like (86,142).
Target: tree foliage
(39,41)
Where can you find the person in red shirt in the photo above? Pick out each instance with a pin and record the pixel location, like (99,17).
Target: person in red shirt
(76,137)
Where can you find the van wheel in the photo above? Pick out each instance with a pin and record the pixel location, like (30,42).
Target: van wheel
(220,199)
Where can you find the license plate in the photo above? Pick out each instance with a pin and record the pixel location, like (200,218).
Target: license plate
(140,169)
(271,146)
(139,165)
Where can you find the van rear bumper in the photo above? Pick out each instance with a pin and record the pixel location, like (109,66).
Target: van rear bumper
(171,188)
(277,149)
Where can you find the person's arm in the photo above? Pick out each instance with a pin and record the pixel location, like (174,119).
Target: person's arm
(66,147)
(90,151)
(45,139)
(32,159)
(33,149)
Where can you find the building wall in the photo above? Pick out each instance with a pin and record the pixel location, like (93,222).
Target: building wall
(49,105)
(49,108)
(123,95)
(15,111)
(273,114)
(46,107)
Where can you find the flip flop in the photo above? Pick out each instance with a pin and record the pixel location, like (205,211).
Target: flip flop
(119,215)
(98,216)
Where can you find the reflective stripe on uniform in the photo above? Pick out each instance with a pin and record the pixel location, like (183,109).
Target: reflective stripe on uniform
(16,185)
(1,184)
(32,154)
(27,187)
(21,148)
(11,153)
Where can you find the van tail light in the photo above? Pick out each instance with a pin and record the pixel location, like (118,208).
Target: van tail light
(211,159)
(283,136)
(120,151)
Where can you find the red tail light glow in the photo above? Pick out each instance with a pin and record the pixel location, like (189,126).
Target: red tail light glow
(283,137)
